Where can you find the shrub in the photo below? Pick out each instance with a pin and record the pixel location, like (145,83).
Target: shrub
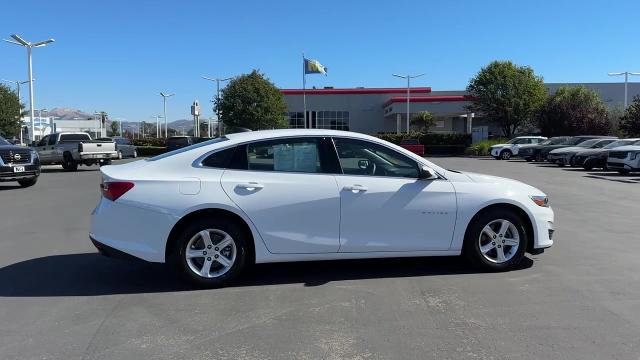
(482,148)
(428,139)
(150,142)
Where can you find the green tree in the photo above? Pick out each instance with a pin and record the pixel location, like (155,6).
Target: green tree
(424,120)
(615,115)
(10,109)
(508,95)
(115,127)
(574,110)
(251,101)
(630,122)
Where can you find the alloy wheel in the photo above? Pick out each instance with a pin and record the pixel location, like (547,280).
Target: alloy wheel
(211,253)
(499,241)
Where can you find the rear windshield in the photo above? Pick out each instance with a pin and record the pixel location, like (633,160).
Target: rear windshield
(187,148)
(74,137)
(178,141)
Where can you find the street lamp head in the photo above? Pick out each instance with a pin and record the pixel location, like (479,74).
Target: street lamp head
(208,78)
(400,76)
(166,95)
(20,40)
(43,43)
(615,73)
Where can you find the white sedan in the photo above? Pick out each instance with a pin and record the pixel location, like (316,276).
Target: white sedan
(216,207)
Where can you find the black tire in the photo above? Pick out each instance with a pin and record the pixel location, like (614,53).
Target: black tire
(28,182)
(505,154)
(232,228)
(539,157)
(588,165)
(120,157)
(68,163)
(135,153)
(528,160)
(472,240)
(623,172)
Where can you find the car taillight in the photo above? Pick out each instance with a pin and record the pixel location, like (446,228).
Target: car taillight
(112,190)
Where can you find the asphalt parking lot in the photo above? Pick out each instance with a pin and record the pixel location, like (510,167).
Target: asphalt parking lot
(59,299)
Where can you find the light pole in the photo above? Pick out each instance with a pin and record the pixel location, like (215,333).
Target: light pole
(18,83)
(217,80)
(158,131)
(20,41)
(164,102)
(626,81)
(408,77)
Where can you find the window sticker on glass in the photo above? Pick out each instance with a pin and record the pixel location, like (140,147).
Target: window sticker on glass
(297,157)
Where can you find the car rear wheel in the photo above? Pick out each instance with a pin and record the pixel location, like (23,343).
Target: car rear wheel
(119,155)
(505,155)
(539,157)
(135,154)
(68,163)
(496,240)
(211,252)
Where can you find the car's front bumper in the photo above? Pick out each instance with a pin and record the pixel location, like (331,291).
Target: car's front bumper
(7,172)
(559,158)
(622,166)
(544,228)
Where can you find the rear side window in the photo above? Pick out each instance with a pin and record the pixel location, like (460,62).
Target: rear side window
(287,155)
(219,159)
(74,137)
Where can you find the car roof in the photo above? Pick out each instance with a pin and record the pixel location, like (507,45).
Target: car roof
(267,134)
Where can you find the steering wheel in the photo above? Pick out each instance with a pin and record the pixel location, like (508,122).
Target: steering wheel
(371,168)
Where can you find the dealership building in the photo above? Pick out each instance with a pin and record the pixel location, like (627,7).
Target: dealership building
(383,110)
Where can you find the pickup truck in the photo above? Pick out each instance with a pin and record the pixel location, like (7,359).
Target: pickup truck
(413,145)
(71,149)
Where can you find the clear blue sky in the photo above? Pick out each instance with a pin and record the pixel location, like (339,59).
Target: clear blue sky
(118,55)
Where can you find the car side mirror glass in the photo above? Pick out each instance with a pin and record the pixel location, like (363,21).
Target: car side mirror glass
(427,173)
(363,164)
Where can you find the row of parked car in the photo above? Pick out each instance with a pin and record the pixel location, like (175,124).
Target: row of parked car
(588,152)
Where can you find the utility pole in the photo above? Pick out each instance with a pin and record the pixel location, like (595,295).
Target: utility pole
(408,77)
(164,102)
(626,82)
(217,81)
(20,41)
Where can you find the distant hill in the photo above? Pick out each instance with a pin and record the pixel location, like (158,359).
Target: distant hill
(68,114)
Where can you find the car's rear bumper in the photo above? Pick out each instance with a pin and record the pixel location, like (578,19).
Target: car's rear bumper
(135,230)
(98,156)
(108,251)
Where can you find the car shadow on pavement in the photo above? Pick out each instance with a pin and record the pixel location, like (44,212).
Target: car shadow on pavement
(61,170)
(91,274)
(9,187)
(614,176)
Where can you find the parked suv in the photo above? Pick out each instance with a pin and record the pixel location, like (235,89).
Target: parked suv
(511,148)
(565,156)
(18,163)
(624,159)
(597,158)
(124,147)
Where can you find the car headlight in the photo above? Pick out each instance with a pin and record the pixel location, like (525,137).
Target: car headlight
(540,200)
(34,154)
(633,155)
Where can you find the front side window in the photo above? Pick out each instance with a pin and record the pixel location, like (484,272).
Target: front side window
(43,141)
(52,139)
(287,155)
(359,157)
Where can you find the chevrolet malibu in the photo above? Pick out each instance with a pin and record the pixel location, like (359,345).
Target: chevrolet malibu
(214,208)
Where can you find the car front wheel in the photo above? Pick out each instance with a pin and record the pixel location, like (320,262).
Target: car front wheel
(28,182)
(496,240)
(212,252)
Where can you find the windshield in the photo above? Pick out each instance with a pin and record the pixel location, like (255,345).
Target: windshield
(187,148)
(589,143)
(619,143)
(3,141)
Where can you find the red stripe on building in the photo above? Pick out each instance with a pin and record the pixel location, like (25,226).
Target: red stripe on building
(428,99)
(355,91)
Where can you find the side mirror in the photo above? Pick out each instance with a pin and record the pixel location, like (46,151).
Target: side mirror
(427,173)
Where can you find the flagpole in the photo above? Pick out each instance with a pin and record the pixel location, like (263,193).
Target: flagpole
(304,91)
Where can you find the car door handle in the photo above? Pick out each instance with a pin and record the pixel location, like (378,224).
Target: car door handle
(355,188)
(250,186)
